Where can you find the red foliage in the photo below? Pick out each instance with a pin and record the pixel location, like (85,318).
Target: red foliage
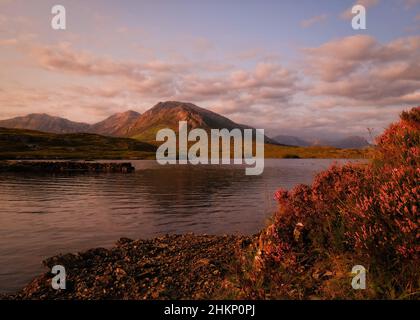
(370,209)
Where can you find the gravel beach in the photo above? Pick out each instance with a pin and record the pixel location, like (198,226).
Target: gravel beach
(170,267)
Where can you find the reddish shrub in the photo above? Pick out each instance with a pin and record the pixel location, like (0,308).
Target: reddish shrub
(368,209)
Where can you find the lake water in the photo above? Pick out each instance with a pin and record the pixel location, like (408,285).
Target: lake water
(44,215)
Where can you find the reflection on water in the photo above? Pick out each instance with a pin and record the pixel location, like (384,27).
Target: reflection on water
(43,215)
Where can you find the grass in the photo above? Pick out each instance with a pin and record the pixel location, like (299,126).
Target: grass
(29,144)
(290,152)
(272,151)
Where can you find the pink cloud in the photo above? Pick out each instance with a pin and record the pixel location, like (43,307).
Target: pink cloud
(365,71)
(313,20)
(115,82)
(347,14)
(409,4)
(341,74)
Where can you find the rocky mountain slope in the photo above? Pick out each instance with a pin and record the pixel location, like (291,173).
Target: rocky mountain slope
(117,125)
(168,114)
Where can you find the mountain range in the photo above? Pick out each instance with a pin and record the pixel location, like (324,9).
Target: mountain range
(352,142)
(145,126)
(131,123)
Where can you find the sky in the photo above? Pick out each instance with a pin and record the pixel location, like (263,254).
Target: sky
(289,67)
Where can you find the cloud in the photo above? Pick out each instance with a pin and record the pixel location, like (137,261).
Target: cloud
(266,83)
(8,42)
(108,81)
(409,4)
(63,58)
(366,72)
(5,1)
(14,25)
(348,15)
(314,20)
(338,58)
(78,103)
(342,76)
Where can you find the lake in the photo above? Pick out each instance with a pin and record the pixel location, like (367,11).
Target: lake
(44,215)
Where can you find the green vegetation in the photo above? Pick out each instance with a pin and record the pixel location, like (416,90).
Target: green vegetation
(150,134)
(289,152)
(272,151)
(28,144)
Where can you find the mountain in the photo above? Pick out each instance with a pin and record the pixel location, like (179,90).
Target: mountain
(116,125)
(132,124)
(168,114)
(291,141)
(46,123)
(352,142)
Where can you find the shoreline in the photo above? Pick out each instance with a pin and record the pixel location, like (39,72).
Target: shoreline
(185,266)
(49,166)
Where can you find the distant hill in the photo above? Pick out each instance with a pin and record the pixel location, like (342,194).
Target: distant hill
(291,141)
(117,125)
(30,144)
(46,123)
(353,142)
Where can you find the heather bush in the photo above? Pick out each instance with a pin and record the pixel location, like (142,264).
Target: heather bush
(351,214)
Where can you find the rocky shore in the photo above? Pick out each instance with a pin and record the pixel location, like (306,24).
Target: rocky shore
(64,166)
(170,267)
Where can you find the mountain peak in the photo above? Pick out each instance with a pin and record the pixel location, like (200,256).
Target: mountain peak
(34,114)
(168,114)
(170,105)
